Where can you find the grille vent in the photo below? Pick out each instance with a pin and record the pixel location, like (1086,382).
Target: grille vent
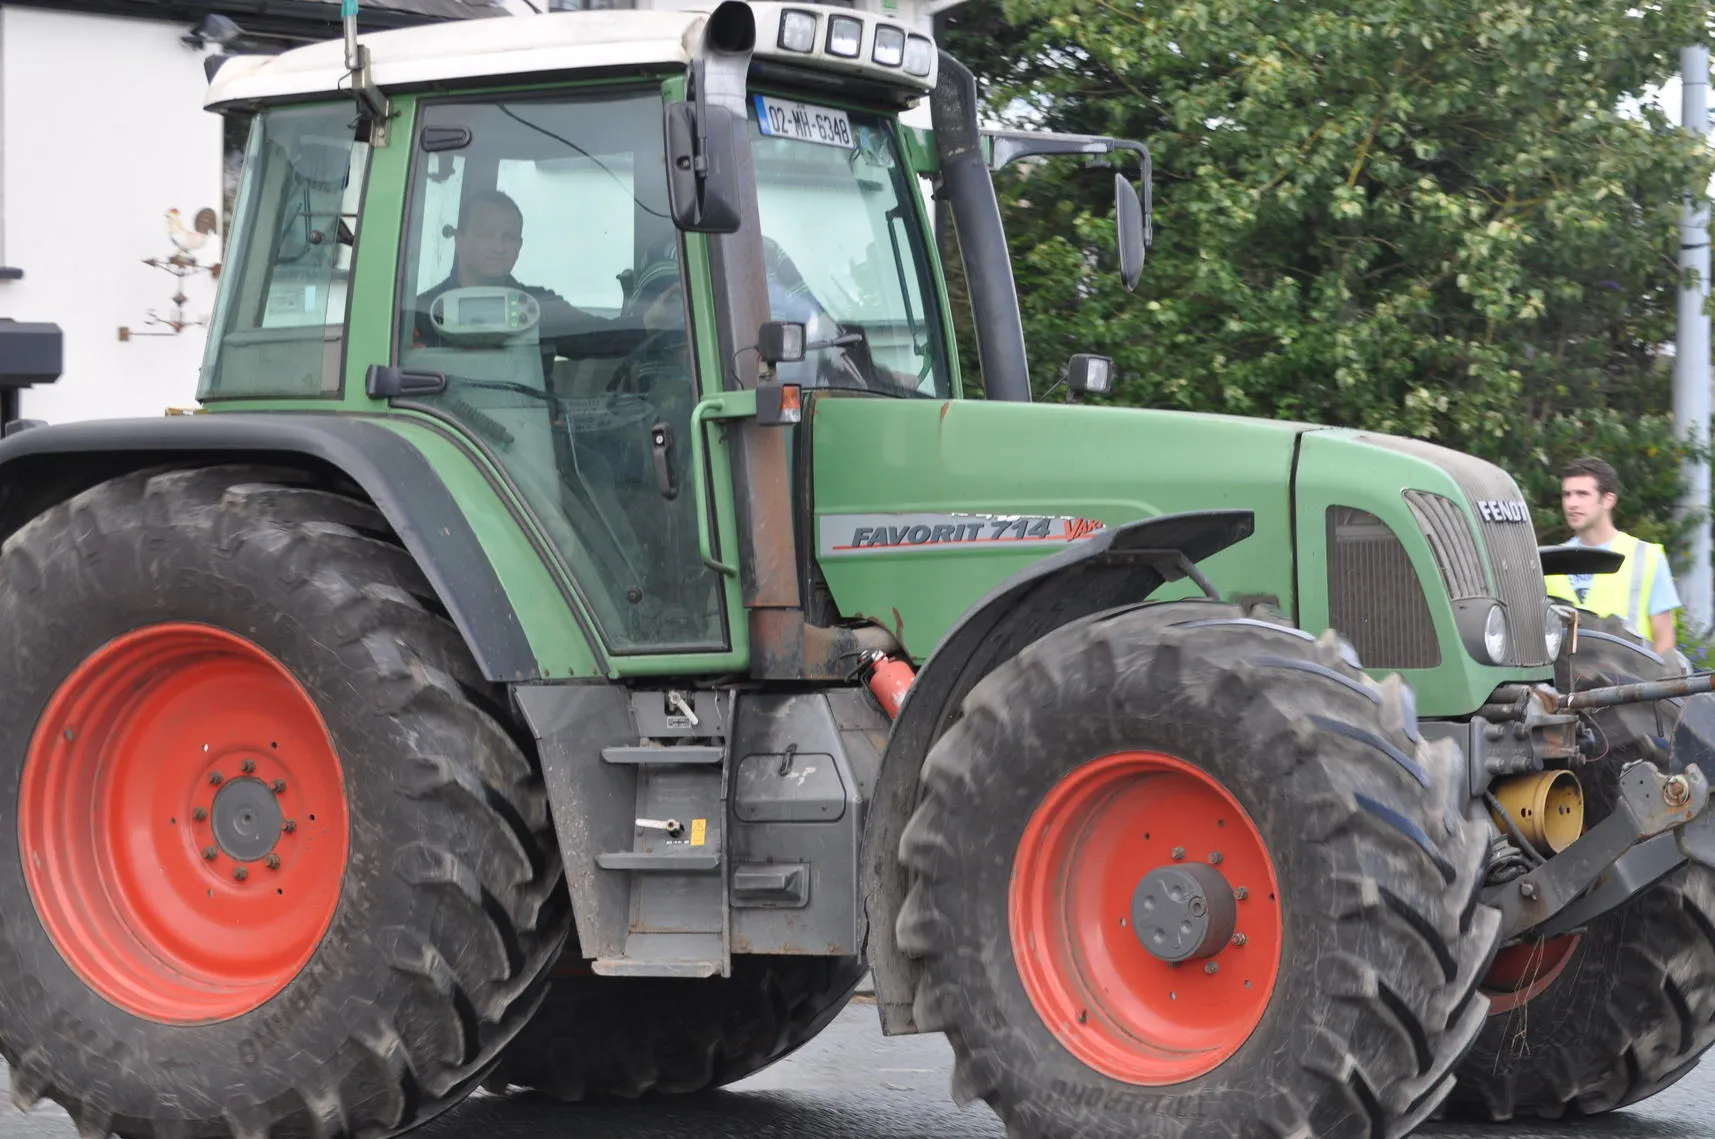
(1374,597)
(1451,540)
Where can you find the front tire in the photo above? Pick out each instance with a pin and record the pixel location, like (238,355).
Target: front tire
(1088,772)
(272,859)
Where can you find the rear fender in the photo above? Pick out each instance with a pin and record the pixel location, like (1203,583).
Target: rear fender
(46,465)
(1110,570)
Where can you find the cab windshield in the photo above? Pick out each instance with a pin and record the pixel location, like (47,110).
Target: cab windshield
(844,249)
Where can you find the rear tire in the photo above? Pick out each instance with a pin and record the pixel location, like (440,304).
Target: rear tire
(404,800)
(607,1038)
(1627,1008)
(1315,774)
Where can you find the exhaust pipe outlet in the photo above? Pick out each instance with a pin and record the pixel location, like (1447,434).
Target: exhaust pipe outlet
(731,28)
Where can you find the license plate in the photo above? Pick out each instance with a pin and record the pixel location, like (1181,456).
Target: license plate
(781,118)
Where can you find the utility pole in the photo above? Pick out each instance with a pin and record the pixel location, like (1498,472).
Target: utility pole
(1691,378)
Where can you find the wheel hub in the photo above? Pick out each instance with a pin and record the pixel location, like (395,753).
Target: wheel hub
(1145,919)
(246,819)
(1183,913)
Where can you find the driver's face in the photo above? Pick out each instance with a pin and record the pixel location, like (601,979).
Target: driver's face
(488,244)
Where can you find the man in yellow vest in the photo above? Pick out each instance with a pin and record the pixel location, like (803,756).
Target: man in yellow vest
(1641,592)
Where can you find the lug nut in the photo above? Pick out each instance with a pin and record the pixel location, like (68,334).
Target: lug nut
(240,873)
(1677,791)
(199,814)
(248,766)
(1241,893)
(1178,853)
(210,853)
(1239,939)
(273,861)
(215,777)
(279,786)
(290,826)
(1214,858)
(1211,968)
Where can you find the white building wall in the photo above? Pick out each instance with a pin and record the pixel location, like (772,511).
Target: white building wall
(101,132)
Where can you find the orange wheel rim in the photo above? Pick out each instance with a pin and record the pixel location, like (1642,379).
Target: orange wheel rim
(1078,873)
(183,824)
(1523,972)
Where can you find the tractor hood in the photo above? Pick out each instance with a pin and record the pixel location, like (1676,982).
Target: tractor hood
(921,507)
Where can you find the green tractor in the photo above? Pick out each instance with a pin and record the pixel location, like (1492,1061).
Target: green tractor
(589,629)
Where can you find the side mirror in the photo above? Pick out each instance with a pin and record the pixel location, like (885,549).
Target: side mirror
(702,190)
(1089,375)
(1128,214)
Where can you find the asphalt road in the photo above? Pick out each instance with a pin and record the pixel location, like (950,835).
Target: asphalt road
(851,1083)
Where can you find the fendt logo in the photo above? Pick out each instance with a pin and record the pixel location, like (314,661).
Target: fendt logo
(1499,510)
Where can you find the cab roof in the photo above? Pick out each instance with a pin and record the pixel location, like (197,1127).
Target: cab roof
(554,44)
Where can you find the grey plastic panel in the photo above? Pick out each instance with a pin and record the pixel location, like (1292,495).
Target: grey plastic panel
(797,822)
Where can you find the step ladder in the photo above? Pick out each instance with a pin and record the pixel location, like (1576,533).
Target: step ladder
(676,868)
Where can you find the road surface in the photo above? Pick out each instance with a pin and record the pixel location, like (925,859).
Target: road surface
(851,1083)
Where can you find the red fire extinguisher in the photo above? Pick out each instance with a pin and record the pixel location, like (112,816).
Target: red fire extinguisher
(889,680)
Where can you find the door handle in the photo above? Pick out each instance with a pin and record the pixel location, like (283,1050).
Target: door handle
(700,415)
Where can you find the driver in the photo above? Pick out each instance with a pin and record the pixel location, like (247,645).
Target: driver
(486,244)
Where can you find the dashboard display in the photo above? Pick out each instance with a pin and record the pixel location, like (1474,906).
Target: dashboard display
(484,311)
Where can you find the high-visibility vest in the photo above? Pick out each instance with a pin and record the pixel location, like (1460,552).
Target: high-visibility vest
(1625,593)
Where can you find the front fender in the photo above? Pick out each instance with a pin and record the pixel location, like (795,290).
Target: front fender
(45,465)
(1110,570)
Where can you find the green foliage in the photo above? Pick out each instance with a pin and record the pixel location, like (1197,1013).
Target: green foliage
(1698,646)
(1427,217)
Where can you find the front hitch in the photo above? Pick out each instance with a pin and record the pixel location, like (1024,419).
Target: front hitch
(1650,804)
(1660,821)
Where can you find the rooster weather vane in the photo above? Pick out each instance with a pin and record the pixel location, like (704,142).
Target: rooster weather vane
(183,263)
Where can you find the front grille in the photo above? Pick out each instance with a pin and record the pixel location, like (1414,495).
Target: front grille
(1374,597)
(1513,555)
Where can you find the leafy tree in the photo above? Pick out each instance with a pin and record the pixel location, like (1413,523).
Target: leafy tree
(1429,217)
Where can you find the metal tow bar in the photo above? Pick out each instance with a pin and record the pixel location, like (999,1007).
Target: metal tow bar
(1643,692)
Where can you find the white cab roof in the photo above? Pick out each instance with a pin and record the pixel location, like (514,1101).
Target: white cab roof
(542,45)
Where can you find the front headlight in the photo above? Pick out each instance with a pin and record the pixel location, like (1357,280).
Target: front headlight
(1496,635)
(1483,626)
(1554,623)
